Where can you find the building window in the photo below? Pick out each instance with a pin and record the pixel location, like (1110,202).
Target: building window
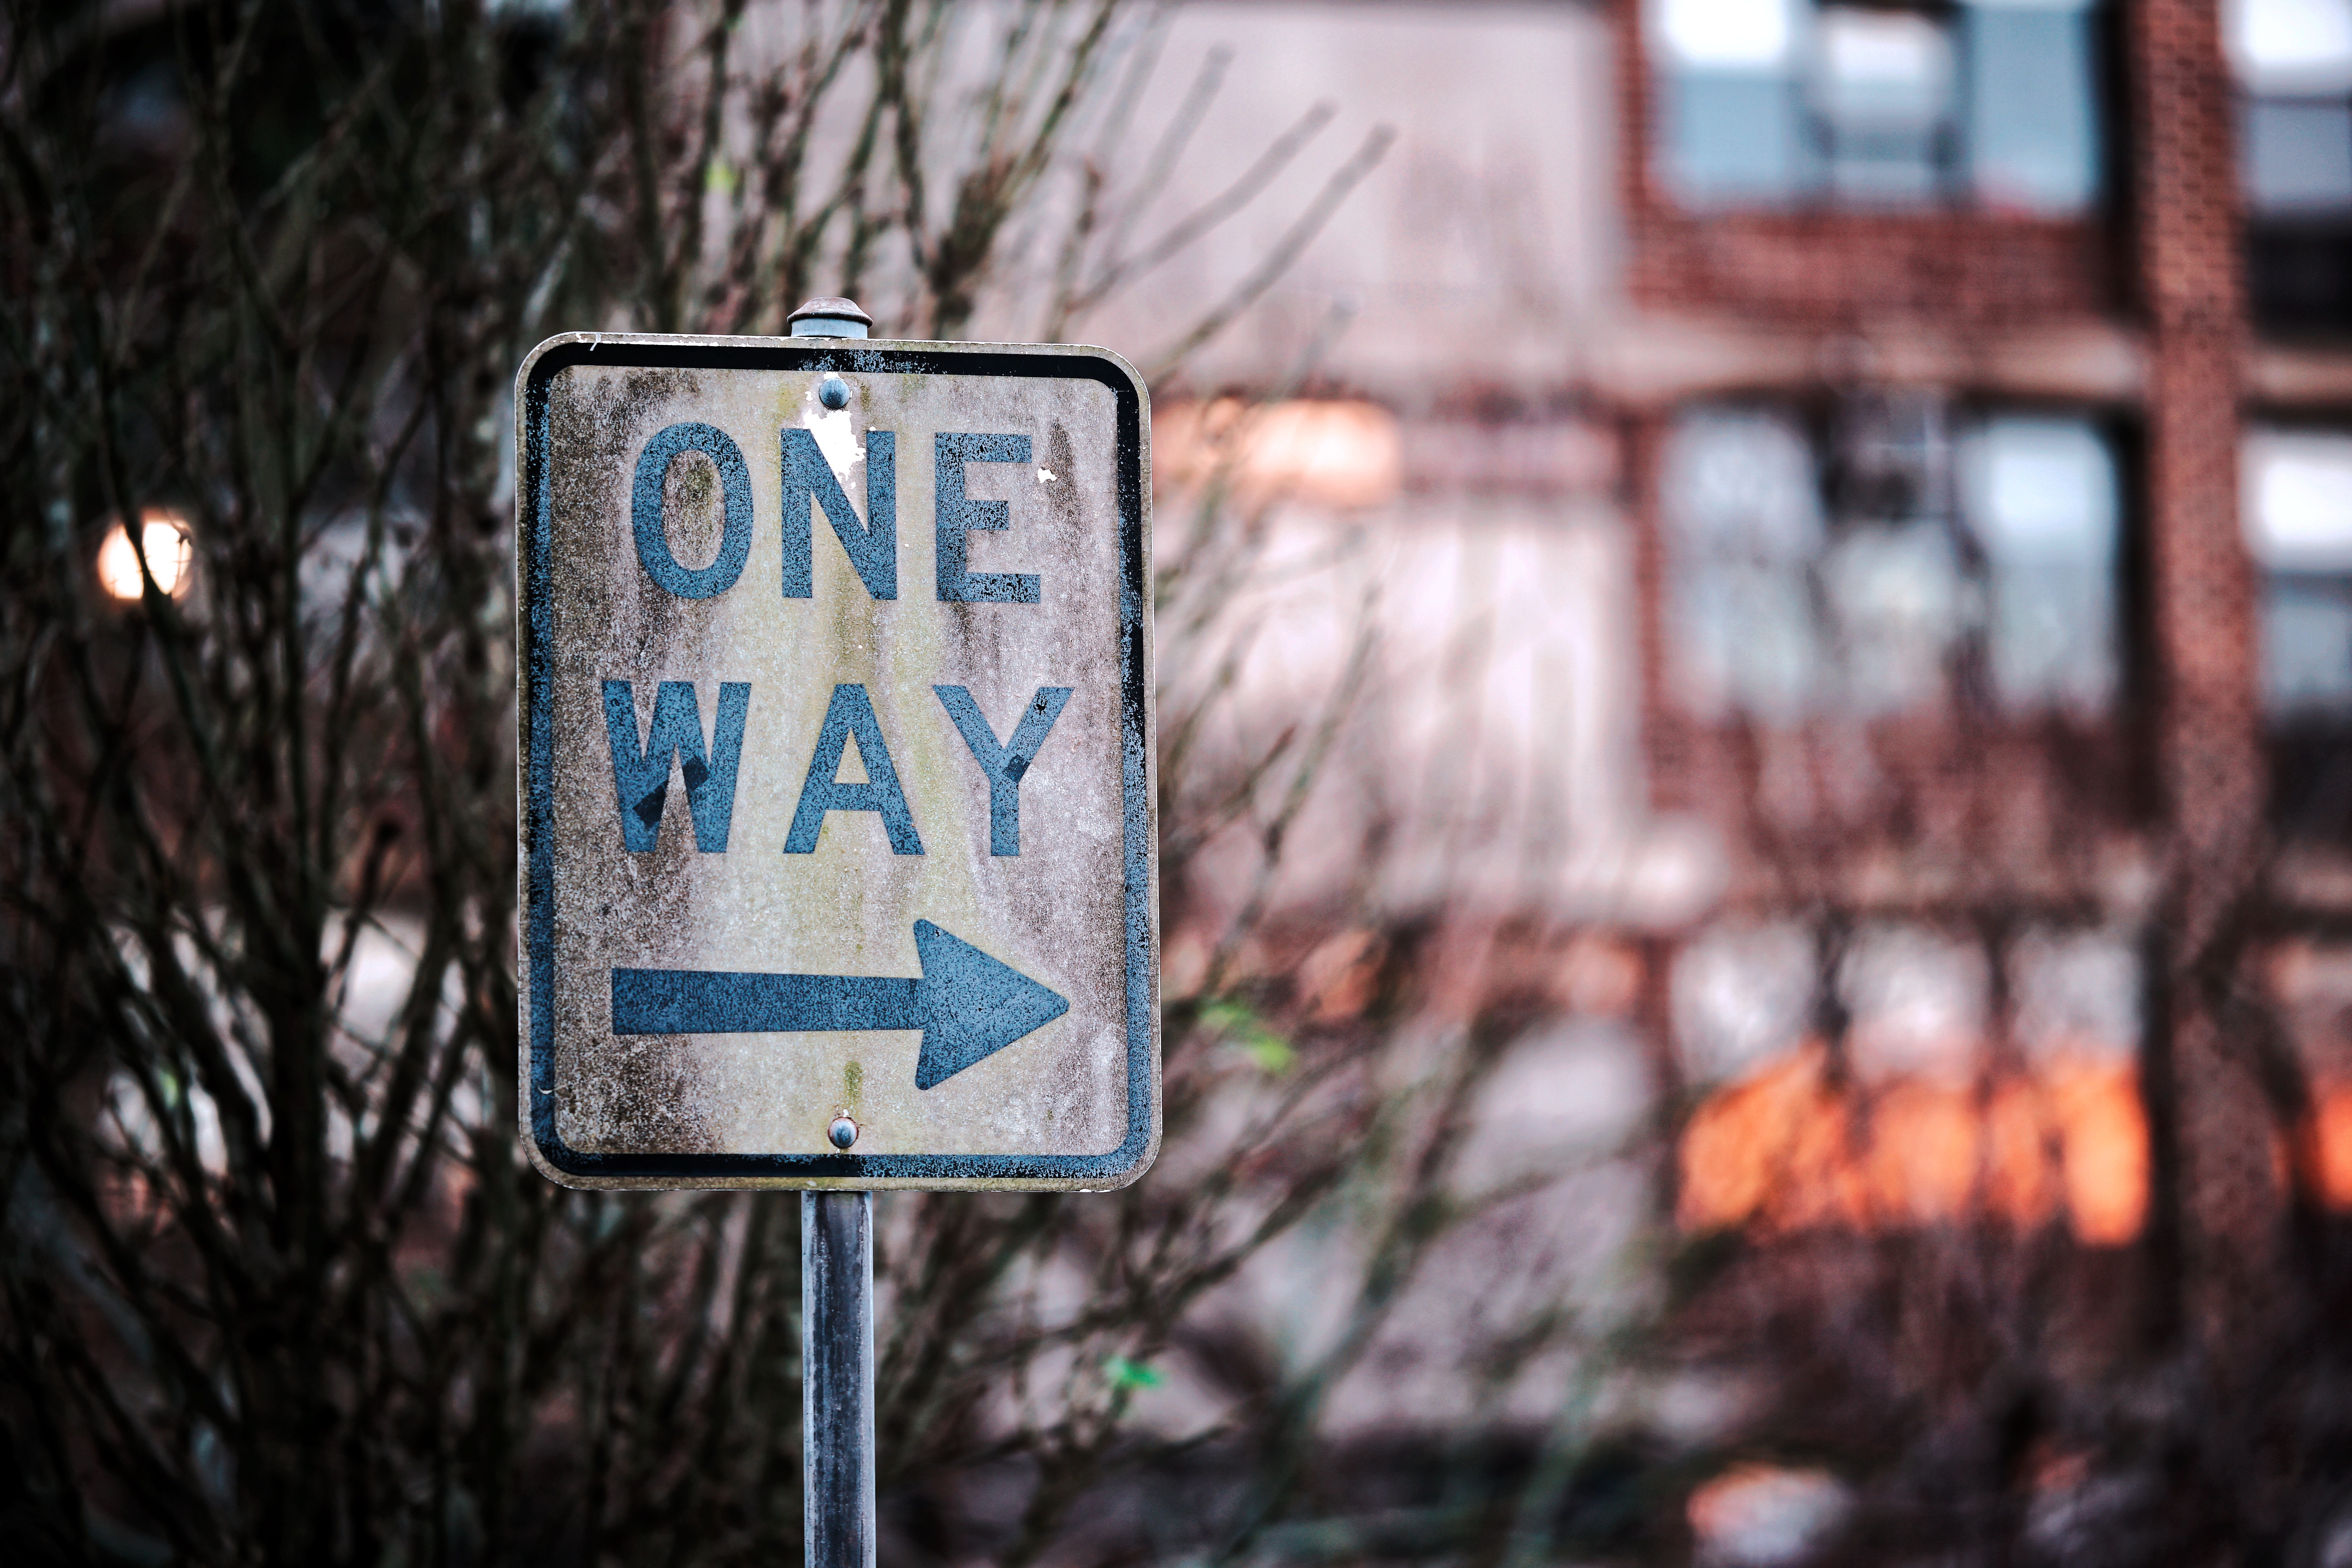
(2297,515)
(2293,64)
(2298,522)
(1990,102)
(1913,1099)
(1880,99)
(1889,558)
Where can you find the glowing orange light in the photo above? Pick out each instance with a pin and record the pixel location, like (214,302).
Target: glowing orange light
(1786,1149)
(1765,1513)
(170,554)
(1328,452)
(2327,1145)
(2105,1151)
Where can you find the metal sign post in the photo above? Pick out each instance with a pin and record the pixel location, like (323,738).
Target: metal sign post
(837,1297)
(837,1378)
(838,832)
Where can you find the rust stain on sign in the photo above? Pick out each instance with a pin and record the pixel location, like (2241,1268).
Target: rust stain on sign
(836,732)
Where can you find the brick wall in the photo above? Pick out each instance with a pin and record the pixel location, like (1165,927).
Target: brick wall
(1825,268)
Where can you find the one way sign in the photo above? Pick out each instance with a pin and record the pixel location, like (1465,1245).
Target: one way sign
(836,743)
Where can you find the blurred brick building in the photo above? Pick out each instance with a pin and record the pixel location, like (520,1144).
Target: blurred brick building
(2000,627)
(1926,432)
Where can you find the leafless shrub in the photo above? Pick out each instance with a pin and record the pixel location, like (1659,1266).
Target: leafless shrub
(278,1286)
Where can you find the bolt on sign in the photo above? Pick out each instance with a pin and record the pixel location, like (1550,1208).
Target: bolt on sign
(838,853)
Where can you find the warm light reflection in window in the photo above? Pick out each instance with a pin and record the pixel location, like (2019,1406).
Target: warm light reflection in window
(2329,1151)
(1785,1149)
(1328,452)
(170,554)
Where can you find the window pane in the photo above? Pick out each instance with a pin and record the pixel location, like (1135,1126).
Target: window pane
(2297,510)
(1741,996)
(2039,498)
(1780,607)
(1883,87)
(2291,45)
(1725,35)
(2297,499)
(2298,155)
(2076,994)
(1917,999)
(1873,168)
(1731,136)
(2041,491)
(1740,483)
(2299,274)
(1742,511)
(1883,68)
(1893,457)
(2033,128)
(2050,636)
(1894,598)
(2306,647)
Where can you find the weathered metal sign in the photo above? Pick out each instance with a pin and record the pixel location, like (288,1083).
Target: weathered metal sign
(836,736)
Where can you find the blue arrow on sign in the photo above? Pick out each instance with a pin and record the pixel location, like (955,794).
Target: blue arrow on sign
(969,1005)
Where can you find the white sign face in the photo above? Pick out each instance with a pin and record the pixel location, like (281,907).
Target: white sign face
(836,751)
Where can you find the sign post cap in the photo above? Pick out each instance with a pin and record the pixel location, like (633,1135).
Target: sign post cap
(829,316)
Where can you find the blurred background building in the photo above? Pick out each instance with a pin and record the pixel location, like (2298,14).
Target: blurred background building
(1852,506)
(1900,457)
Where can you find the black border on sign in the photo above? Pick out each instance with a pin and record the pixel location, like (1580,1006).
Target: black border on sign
(534,570)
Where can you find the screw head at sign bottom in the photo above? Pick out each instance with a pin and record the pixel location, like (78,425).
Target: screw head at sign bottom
(844,1131)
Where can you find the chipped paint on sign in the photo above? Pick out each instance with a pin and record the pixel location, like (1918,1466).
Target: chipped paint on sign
(836,735)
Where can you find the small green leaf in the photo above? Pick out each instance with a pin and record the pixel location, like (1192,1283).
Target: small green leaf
(720,177)
(1127,1376)
(1247,1033)
(1270,1053)
(1227,1016)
